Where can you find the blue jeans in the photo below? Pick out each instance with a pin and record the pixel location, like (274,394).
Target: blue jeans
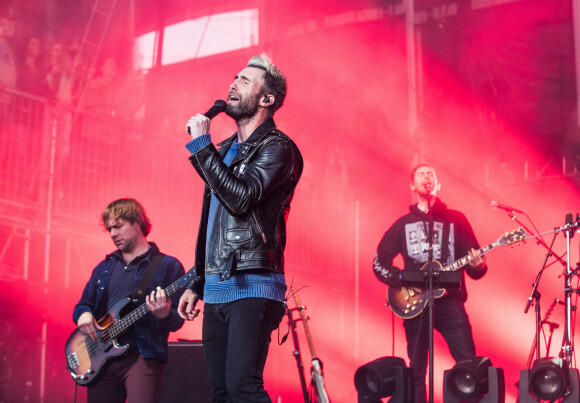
(236,337)
(451,320)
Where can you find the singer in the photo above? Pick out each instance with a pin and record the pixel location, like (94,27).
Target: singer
(239,257)
(453,238)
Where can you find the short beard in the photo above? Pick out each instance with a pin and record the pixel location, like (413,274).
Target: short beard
(245,109)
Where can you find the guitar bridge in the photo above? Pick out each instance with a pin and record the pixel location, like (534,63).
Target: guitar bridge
(73,361)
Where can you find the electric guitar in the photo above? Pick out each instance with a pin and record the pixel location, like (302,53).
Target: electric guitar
(85,358)
(316,369)
(407,302)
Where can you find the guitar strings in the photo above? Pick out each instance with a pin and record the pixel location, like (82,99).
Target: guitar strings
(90,347)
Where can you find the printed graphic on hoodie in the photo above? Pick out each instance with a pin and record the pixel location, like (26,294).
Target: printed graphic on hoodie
(416,235)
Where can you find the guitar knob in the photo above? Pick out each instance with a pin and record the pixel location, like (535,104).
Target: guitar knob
(90,371)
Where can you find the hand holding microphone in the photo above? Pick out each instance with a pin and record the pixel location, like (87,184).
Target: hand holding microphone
(199,124)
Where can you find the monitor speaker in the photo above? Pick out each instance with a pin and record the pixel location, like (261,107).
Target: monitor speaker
(186,377)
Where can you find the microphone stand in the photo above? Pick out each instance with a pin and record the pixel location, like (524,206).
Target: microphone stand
(540,240)
(535,295)
(567,346)
(430,297)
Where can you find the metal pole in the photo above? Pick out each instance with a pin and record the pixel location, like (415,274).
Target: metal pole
(356,279)
(576,19)
(47,240)
(567,347)
(296,353)
(411,67)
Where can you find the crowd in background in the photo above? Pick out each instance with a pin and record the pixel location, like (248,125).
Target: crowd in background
(51,69)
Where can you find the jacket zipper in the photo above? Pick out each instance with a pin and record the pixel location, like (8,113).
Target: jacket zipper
(259,227)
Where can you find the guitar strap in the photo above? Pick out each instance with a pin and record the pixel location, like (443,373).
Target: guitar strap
(445,243)
(444,240)
(154,263)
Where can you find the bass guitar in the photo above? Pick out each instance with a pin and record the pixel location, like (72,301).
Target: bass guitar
(85,358)
(316,369)
(407,302)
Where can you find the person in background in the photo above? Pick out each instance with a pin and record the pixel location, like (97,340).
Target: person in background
(7,56)
(31,77)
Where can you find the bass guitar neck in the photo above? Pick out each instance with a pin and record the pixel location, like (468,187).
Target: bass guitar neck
(86,358)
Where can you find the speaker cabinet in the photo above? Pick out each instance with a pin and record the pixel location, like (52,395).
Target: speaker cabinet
(186,377)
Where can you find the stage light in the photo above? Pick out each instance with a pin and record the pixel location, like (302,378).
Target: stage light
(474,380)
(383,377)
(549,379)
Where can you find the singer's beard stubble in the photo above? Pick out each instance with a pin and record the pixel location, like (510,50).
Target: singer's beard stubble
(245,109)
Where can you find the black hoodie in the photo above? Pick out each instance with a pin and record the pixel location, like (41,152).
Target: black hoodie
(408,237)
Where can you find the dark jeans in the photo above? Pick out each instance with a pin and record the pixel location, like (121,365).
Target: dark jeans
(451,320)
(132,377)
(236,337)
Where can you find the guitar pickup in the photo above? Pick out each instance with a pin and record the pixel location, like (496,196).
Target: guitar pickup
(73,361)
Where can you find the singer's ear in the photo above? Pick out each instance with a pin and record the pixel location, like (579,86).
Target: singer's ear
(267,100)
(438,186)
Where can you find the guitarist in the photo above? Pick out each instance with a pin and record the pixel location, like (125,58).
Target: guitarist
(452,239)
(138,374)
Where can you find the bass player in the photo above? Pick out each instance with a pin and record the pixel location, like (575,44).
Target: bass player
(452,237)
(136,375)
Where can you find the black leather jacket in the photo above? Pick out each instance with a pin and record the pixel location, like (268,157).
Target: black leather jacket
(255,192)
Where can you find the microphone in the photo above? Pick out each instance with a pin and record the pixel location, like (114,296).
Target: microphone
(570,225)
(494,204)
(218,107)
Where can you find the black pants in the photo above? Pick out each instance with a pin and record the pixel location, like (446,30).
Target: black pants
(451,320)
(129,377)
(236,338)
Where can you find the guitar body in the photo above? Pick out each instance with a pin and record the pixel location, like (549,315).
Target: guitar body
(407,302)
(86,358)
